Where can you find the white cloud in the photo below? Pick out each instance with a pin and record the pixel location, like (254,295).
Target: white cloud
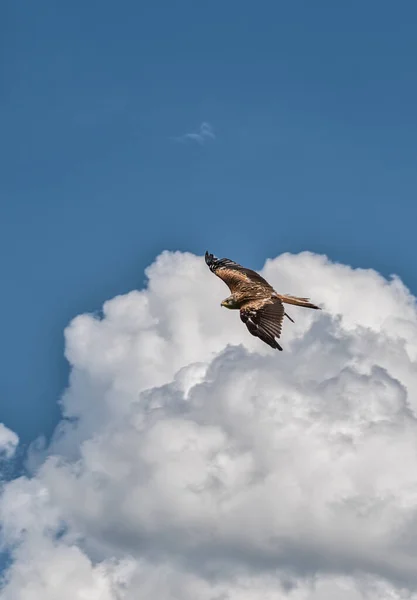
(200,464)
(204,133)
(8,442)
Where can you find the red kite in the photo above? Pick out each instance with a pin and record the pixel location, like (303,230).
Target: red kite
(261,307)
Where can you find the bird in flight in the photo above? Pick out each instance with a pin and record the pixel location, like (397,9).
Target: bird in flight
(261,307)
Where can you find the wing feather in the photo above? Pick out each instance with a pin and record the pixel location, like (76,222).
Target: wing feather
(233,278)
(264,320)
(236,277)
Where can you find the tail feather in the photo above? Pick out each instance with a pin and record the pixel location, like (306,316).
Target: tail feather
(288,299)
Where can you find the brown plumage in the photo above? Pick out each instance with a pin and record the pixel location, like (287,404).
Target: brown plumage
(261,307)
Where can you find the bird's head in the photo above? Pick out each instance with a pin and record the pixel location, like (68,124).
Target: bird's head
(230,303)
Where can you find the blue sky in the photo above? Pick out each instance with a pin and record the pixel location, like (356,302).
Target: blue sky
(312,106)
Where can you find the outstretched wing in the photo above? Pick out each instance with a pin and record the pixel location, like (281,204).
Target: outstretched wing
(263,318)
(236,277)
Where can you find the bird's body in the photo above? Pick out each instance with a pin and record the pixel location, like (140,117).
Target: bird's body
(261,307)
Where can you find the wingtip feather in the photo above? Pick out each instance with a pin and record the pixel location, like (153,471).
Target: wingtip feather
(209,258)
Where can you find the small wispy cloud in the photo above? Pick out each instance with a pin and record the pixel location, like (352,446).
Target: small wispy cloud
(204,133)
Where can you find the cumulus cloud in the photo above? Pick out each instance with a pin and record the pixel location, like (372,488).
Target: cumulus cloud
(204,133)
(8,442)
(194,462)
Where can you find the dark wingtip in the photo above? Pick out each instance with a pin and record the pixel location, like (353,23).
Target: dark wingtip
(209,258)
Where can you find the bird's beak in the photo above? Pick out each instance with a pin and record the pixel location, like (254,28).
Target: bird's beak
(222,304)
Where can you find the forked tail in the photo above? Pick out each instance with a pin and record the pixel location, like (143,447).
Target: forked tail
(297,301)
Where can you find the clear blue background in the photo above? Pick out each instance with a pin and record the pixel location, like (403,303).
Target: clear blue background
(314,109)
